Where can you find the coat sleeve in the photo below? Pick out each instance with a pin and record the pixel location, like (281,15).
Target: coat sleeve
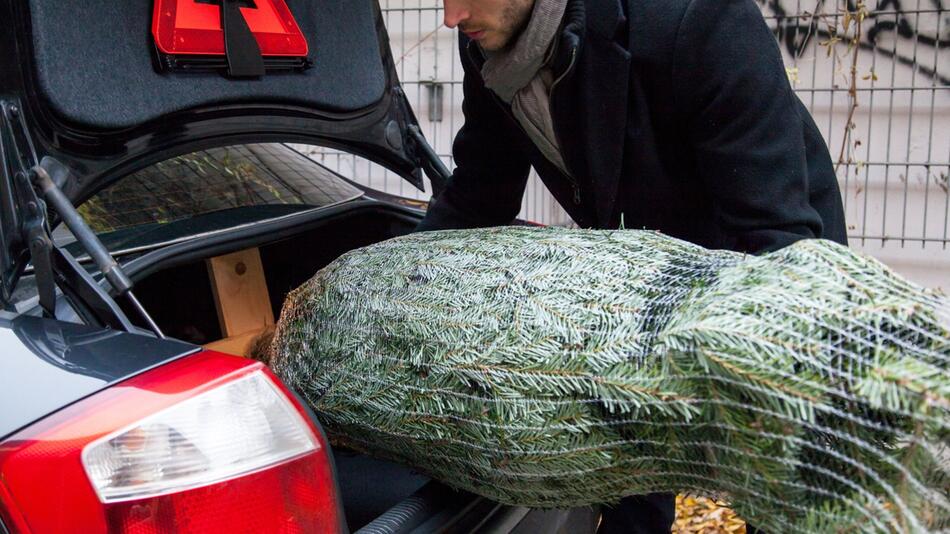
(491,170)
(741,116)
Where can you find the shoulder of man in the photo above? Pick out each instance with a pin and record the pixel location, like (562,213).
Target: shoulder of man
(653,27)
(656,26)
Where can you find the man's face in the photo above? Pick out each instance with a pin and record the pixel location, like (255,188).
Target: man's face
(492,23)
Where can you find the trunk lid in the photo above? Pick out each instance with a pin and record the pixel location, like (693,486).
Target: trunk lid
(84,83)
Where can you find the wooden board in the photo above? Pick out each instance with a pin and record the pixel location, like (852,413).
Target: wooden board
(240,292)
(239,345)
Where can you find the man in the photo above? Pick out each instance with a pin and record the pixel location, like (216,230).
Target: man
(670,115)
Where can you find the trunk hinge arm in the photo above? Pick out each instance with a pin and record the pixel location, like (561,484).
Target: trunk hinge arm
(86,237)
(37,238)
(52,266)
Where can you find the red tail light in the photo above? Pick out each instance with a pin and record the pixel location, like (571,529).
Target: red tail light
(210,443)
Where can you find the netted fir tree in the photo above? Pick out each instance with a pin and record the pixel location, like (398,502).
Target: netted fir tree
(554,368)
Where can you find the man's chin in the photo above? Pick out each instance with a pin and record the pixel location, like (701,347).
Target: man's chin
(493,43)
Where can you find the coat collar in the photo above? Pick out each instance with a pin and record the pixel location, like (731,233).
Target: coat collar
(590,103)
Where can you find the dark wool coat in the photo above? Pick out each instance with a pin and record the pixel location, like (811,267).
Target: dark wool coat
(676,115)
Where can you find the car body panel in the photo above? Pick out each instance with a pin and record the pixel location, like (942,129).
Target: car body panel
(47,365)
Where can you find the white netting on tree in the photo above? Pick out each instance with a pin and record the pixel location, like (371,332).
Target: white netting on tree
(551,367)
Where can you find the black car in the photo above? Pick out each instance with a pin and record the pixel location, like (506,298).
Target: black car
(152,218)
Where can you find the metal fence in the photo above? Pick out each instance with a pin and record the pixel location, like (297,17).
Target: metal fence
(878,86)
(875,75)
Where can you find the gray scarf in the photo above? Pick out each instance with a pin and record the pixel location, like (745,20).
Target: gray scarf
(507,71)
(519,77)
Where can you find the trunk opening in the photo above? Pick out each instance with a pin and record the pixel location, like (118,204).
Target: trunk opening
(285,264)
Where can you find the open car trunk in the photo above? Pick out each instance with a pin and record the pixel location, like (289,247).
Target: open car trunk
(245,289)
(219,277)
(231,295)
(221,286)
